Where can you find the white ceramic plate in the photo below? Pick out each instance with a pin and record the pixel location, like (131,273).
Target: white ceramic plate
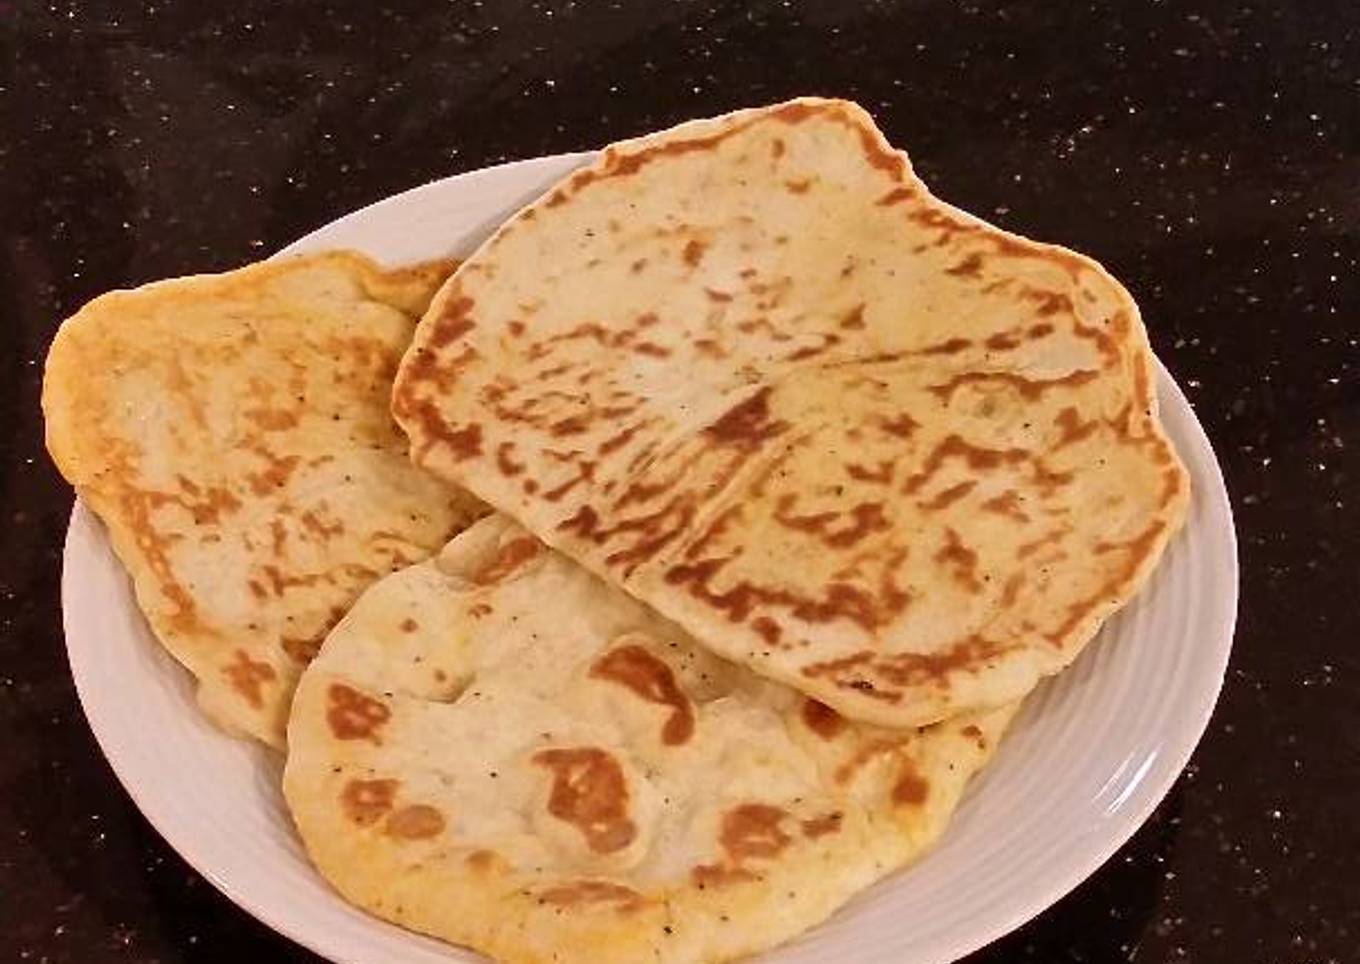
(1090,756)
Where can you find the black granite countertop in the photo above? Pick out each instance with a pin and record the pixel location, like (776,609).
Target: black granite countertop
(1208,152)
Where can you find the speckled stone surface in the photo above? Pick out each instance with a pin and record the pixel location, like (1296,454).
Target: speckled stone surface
(1207,152)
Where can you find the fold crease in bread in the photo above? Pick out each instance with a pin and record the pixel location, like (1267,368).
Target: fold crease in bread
(233,433)
(497,748)
(749,370)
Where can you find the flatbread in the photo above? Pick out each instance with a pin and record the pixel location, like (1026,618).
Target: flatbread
(233,433)
(497,748)
(751,371)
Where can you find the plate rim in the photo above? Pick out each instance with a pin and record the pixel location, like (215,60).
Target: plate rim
(112,753)
(1103,848)
(1078,867)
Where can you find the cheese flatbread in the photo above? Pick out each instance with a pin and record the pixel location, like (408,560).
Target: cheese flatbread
(497,748)
(233,433)
(752,372)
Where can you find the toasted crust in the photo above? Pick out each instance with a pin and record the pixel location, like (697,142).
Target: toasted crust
(496,748)
(751,371)
(232,432)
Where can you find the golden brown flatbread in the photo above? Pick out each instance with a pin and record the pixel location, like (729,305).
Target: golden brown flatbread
(497,748)
(751,371)
(233,433)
